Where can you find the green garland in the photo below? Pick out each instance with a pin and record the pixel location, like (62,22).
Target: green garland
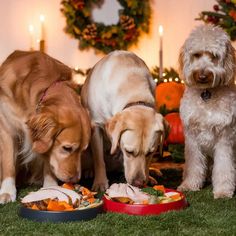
(224,15)
(134,18)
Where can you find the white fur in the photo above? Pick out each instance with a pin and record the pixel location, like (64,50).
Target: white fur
(117,80)
(8,190)
(209,125)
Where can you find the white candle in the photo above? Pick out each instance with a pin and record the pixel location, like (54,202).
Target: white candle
(42,30)
(31,32)
(161,52)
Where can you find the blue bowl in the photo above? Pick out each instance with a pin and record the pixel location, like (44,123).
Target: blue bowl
(60,216)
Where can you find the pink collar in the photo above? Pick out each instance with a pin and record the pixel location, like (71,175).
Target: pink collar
(39,104)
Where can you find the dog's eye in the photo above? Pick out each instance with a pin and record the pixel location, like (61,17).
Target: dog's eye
(214,58)
(197,55)
(67,148)
(130,153)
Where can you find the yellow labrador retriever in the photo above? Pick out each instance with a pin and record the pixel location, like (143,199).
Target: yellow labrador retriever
(119,95)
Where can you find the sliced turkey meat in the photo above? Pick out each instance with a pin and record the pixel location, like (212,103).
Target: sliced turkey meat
(74,196)
(45,194)
(127,190)
(53,192)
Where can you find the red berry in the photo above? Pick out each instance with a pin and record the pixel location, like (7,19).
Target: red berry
(216,7)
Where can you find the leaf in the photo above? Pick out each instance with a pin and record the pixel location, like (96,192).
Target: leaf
(152,191)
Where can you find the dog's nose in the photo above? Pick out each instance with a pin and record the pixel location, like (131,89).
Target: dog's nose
(138,183)
(73,179)
(203,77)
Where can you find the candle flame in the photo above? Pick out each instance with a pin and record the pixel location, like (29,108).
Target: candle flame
(31,28)
(42,18)
(161,30)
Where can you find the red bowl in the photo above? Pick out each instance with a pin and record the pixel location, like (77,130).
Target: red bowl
(141,209)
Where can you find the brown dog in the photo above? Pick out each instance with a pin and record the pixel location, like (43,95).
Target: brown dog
(41,118)
(119,93)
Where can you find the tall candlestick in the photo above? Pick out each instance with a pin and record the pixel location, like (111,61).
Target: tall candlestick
(31,32)
(42,34)
(161,52)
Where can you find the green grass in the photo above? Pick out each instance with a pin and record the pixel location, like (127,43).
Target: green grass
(204,216)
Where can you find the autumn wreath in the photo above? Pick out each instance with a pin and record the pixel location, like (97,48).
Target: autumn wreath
(134,19)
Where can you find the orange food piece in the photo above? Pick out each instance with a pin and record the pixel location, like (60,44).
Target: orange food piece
(86,192)
(66,205)
(91,200)
(54,206)
(34,207)
(59,206)
(145,202)
(159,187)
(176,197)
(68,186)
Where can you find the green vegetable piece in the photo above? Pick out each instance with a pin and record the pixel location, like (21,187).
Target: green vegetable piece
(152,191)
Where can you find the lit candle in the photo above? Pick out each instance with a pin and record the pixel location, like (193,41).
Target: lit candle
(42,19)
(161,52)
(31,32)
(42,34)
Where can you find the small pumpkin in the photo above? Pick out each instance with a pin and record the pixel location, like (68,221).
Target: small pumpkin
(176,134)
(169,95)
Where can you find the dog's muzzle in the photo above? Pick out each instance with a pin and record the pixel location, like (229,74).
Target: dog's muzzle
(203,77)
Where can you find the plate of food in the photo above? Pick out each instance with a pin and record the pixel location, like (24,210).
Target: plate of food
(127,199)
(60,204)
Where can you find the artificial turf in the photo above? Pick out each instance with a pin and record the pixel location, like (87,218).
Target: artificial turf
(204,216)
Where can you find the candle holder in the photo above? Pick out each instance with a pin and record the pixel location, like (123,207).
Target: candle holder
(42,45)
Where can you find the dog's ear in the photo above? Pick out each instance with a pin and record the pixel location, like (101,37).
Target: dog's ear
(163,127)
(114,128)
(229,62)
(181,62)
(86,128)
(42,128)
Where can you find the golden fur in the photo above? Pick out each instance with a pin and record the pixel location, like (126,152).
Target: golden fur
(41,119)
(119,93)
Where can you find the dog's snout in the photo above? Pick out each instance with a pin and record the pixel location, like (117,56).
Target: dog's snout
(138,182)
(73,179)
(203,76)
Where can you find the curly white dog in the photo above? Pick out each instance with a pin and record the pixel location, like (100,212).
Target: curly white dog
(208,110)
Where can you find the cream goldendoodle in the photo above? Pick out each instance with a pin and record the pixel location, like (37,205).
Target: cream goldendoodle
(208,110)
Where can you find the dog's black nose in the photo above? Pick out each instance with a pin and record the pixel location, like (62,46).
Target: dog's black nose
(202,77)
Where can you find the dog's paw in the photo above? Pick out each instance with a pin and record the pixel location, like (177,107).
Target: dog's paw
(100,186)
(188,187)
(223,194)
(6,197)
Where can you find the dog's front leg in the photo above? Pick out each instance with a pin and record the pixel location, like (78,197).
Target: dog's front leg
(48,177)
(100,179)
(195,166)
(8,155)
(224,170)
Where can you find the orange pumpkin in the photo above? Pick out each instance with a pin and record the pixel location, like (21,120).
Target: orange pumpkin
(169,94)
(176,134)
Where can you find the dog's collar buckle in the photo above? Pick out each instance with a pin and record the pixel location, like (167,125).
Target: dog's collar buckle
(141,103)
(206,95)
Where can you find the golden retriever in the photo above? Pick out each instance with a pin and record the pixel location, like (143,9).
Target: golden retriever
(41,118)
(119,93)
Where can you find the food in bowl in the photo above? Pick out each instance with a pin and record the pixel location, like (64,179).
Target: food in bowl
(67,197)
(126,193)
